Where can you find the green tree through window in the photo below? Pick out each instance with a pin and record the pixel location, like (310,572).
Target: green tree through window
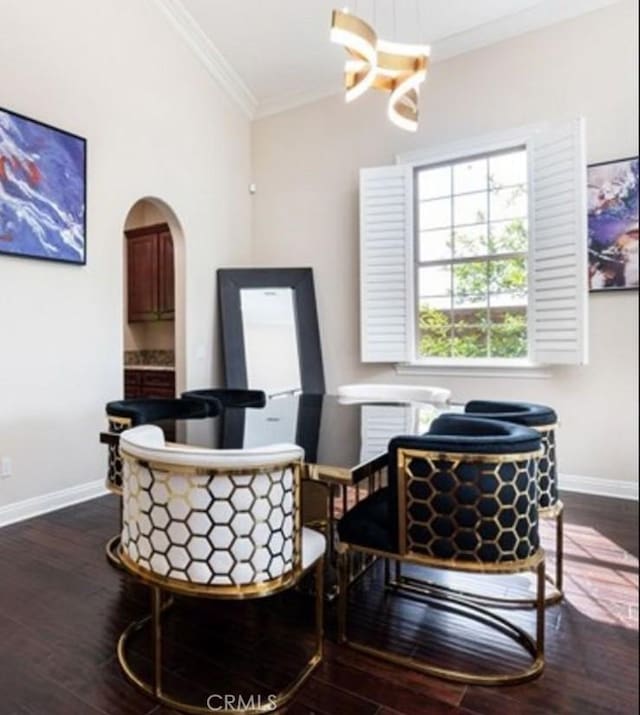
(472,263)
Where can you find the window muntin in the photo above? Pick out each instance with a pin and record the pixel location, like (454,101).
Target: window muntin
(472,236)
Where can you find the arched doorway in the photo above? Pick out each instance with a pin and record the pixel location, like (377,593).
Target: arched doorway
(153,287)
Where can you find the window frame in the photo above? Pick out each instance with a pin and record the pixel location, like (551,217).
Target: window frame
(453,261)
(521,137)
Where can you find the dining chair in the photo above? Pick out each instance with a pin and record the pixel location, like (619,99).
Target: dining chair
(218,524)
(124,414)
(462,498)
(545,420)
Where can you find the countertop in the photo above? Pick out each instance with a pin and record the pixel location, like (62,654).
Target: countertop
(150,367)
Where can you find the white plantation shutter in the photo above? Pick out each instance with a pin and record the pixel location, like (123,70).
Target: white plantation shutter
(558,306)
(380,423)
(386,263)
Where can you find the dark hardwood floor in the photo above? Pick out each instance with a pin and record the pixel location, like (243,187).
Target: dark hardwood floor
(62,608)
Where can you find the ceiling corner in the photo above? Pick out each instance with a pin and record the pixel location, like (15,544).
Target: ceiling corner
(210,56)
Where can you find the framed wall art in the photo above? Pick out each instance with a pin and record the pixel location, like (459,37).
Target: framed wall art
(43,179)
(613,225)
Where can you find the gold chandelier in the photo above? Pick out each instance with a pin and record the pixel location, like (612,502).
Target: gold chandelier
(396,68)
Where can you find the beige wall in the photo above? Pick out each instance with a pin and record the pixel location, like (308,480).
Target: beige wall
(306,161)
(157,125)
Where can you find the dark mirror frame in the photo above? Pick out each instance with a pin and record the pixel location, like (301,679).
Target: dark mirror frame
(230,282)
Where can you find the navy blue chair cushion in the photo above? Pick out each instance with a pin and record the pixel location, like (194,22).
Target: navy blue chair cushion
(373,523)
(152,409)
(522,413)
(453,432)
(228,397)
(367,523)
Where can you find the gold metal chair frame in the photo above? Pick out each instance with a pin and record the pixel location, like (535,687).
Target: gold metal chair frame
(535,648)
(112,547)
(555,511)
(398,580)
(471,603)
(160,584)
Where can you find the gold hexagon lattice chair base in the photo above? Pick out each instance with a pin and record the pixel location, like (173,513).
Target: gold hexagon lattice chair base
(474,513)
(155,689)
(456,603)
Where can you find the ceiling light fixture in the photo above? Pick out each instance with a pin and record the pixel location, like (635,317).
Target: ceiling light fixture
(393,67)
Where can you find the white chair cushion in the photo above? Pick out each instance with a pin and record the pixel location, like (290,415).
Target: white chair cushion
(313,546)
(372,392)
(147,442)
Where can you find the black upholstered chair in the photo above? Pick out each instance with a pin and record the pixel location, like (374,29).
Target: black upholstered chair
(544,420)
(123,414)
(462,497)
(227,397)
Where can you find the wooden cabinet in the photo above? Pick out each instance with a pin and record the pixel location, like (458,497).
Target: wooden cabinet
(150,274)
(149,383)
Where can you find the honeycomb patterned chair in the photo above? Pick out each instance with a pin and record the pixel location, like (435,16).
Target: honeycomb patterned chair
(462,497)
(219,524)
(544,420)
(123,414)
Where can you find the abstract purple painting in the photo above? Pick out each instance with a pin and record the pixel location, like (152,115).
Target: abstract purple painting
(613,225)
(42,191)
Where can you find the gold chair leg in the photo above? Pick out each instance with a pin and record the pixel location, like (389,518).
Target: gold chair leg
(387,573)
(154,688)
(535,648)
(559,551)
(319,607)
(343,595)
(540,611)
(156,610)
(112,546)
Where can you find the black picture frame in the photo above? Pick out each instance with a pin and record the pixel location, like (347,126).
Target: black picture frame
(83,167)
(230,282)
(609,289)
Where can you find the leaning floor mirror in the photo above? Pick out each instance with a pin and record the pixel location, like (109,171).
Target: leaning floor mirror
(270,334)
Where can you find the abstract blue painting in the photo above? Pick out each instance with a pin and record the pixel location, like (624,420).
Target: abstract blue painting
(613,225)
(42,190)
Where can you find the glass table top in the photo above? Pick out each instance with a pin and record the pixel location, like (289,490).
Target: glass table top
(343,440)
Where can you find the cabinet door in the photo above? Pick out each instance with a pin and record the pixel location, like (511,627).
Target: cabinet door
(142,281)
(166,299)
(132,382)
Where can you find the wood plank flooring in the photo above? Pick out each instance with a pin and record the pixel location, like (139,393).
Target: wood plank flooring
(62,608)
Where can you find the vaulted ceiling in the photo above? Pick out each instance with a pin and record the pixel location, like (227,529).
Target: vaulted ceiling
(274,54)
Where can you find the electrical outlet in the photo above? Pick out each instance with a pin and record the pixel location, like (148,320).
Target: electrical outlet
(5,467)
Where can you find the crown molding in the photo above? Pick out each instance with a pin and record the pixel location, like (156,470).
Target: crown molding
(542,14)
(282,103)
(209,55)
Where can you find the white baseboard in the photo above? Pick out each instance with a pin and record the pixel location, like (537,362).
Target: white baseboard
(599,487)
(28,508)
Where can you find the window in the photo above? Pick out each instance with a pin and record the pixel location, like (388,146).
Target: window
(475,253)
(471,257)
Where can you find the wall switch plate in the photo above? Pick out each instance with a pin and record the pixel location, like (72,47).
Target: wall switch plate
(5,467)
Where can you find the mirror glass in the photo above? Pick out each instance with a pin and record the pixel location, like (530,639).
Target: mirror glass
(276,423)
(270,340)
